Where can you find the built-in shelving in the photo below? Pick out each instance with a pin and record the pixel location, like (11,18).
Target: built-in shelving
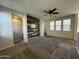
(33,26)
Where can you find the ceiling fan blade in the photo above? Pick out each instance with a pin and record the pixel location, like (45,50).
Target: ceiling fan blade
(46,11)
(46,14)
(54,10)
(55,13)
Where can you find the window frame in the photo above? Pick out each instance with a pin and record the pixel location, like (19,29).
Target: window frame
(58,25)
(67,30)
(52,25)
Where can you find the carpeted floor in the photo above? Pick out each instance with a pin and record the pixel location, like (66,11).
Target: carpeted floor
(42,48)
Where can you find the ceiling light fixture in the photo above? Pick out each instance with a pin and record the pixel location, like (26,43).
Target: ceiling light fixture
(15,17)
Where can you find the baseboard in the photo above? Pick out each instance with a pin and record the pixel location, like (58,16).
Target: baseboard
(77,50)
(60,37)
(7,47)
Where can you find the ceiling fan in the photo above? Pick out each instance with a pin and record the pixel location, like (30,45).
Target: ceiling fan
(51,12)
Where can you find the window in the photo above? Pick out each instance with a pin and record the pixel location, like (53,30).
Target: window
(52,25)
(78,26)
(58,25)
(66,24)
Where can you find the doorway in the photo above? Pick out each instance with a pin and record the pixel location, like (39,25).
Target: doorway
(17,29)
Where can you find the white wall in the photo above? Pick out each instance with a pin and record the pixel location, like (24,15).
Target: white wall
(6,27)
(77,45)
(62,33)
(41,27)
(6,32)
(25,31)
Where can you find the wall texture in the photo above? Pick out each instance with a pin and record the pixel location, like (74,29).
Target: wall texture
(64,34)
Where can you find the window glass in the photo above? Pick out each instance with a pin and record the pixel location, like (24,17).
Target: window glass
(52,25)
(66,24)
(58,25)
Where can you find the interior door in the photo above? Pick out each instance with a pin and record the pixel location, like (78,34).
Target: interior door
(17,30)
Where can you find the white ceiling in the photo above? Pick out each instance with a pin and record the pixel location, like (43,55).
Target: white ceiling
(36,7)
